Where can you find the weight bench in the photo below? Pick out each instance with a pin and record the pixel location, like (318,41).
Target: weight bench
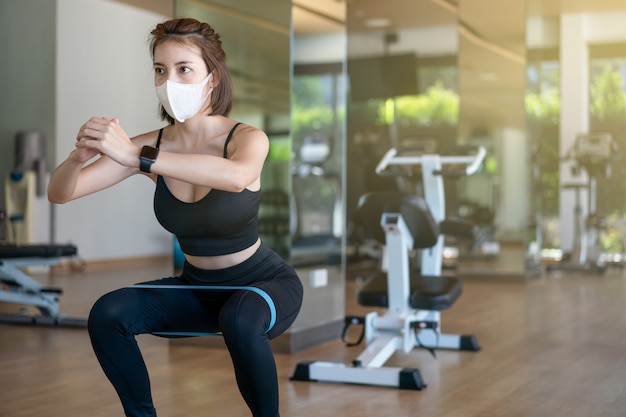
(17,287)
(402,222)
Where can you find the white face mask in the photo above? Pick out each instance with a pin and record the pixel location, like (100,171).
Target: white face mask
(182,101)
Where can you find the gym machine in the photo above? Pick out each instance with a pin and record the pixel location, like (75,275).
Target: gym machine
(593,153)
(403,222)
(433,169)
(19,288)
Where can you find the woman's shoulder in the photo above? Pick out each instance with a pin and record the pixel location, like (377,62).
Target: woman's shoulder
(246,139)
(243,130)
(148,138)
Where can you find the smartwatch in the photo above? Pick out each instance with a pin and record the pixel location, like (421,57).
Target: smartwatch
(147,157)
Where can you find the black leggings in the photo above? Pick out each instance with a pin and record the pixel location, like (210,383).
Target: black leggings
(242,316)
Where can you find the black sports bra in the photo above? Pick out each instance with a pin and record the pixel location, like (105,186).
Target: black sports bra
(220,223)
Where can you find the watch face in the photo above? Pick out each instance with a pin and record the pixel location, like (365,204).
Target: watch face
(149,152)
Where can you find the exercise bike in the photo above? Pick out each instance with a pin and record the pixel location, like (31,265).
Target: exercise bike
(403,222)
(433,169)
(593,153)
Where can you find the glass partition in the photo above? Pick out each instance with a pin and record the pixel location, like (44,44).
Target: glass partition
(257,37)
(300,103)
(317,227)
(403,92)
(492,64)
(543,111)
(576,96)
(317,119)
(523,78)
(444,77)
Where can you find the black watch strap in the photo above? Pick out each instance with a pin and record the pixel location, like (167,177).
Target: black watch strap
(147,157)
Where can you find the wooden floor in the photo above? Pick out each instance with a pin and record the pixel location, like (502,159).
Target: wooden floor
(551,346)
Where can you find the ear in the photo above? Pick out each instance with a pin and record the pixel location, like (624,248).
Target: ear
(214,81)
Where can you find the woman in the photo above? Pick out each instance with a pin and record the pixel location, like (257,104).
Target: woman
(207,172)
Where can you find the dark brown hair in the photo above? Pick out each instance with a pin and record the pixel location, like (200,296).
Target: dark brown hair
(202,35)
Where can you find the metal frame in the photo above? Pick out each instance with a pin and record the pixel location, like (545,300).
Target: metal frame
(394,331)
(17,287)
(398,328)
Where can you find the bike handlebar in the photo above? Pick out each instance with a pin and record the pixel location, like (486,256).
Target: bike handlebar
(472,162)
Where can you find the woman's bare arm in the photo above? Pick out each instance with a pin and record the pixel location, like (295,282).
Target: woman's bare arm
(235,173)
(242,168)
(72,180)
(75,178)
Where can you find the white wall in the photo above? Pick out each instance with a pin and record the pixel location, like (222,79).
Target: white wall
(512,209)
(27,38)
(434,40)
(317,49)
(542,32)
(428,41)
(605,27)
(103,68)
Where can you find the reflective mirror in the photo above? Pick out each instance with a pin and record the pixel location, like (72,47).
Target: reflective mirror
(256,38)
(576,109)
(290,83)
(403,93)
(444,78)
(491,78)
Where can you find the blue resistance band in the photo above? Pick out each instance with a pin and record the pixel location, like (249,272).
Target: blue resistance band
(263,294)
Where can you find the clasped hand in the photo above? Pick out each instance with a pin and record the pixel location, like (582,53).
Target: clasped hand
(103,136)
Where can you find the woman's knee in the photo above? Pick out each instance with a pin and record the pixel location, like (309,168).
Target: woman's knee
(244,314)
(107,312)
